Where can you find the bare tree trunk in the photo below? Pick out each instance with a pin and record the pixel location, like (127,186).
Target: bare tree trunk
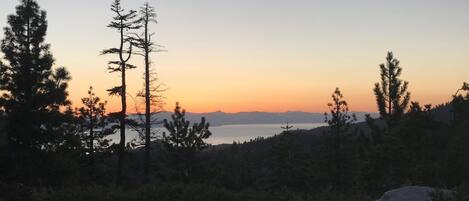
(147,106)
(91,137)
(122,133)
(123,113)
(122,22)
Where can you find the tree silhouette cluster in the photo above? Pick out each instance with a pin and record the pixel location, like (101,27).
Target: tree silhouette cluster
(127,24)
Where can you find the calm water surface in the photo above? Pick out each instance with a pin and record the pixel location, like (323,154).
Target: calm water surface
(234,133)
(245,132)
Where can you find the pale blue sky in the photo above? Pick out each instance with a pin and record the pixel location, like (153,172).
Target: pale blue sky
(271,55)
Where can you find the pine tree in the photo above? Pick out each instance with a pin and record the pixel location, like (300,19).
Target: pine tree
(184,140)
(122,22)
(340,123)
(182,136)
(92,118)
(152,89)
(283,159)
(286,128)
(32,91)
(341,119)
(391,94)
(458,149)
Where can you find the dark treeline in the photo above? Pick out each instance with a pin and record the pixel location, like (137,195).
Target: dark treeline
(51,151)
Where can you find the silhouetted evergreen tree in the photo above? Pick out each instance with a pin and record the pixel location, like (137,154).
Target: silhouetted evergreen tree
(286,128)
(148,16)
(423,140)
(122,22)
(32,92)
(340,119)
(151,93)
(391,93)
(182,136)
(458,145)
(385,158)
(184,140)
(283,160)
(291,168)
(458,105)
(92,118)
(338,138)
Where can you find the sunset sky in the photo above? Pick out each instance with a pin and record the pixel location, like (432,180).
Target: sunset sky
(269,55)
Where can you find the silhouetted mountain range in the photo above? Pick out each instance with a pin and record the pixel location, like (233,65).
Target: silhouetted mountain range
(221,118)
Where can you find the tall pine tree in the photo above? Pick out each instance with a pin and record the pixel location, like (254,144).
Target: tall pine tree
(150,94)
(122,22)
(391,93)
(32,91)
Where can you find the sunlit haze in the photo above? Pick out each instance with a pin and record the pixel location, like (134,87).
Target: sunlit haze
(268,55)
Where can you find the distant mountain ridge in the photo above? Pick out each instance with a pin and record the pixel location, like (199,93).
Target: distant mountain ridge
(221,118)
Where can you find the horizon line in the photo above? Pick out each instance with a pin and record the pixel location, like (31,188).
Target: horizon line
(254,111)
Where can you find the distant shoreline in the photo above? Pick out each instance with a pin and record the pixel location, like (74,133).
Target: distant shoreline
(242,118)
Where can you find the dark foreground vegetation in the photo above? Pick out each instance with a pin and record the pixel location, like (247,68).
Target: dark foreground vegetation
(51,151)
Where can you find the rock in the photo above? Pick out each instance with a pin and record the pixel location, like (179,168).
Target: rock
(417,193)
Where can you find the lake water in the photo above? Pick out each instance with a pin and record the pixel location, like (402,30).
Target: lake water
(245,132)
(228,134)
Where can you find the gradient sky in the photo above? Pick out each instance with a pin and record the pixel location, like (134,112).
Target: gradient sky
(269,55)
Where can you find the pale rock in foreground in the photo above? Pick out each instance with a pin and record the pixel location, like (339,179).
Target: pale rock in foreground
(415,193)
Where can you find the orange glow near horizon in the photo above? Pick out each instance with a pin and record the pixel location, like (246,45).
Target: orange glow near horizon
(243,56)
(261,98)
(356,105)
